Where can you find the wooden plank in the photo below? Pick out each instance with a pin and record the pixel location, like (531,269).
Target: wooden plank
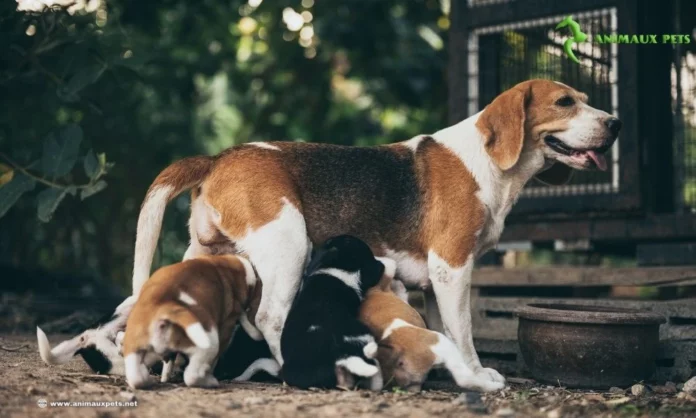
(666,254)
(585,276)
(681,314)
(651,227)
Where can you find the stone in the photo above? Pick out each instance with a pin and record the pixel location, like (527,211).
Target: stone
(473,402)
(505,412)
(614,389)
(128,396)
(638,390)
(556,413)
(690,386)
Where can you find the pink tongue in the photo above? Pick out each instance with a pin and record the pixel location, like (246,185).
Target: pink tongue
(599,159)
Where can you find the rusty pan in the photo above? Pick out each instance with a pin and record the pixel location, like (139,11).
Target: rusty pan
(588,346)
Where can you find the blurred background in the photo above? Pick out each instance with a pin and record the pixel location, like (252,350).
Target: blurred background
(97,97)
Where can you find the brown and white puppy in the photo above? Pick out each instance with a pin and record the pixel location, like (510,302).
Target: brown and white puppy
(433,203)
(189,308)
(408,351)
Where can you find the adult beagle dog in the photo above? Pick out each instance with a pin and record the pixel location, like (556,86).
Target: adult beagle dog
(433,203)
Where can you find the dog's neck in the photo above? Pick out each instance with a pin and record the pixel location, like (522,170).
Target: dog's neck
(498,190)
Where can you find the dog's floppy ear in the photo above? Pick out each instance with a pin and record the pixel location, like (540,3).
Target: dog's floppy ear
(502,125)
(555,175)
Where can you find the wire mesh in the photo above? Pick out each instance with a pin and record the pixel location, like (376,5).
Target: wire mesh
(684,113)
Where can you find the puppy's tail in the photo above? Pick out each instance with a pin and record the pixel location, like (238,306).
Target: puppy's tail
(61,354)
(267,365)
(178,177)
(184,318)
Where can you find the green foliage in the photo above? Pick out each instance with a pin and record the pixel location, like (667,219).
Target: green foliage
(147,83)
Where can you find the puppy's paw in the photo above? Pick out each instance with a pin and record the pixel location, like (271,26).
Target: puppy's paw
(370,349)
(119,340)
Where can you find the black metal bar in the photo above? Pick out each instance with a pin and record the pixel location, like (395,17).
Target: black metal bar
(495,14)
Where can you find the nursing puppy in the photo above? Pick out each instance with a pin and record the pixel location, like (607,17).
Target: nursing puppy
(190,308)
(323,343)
(407,349)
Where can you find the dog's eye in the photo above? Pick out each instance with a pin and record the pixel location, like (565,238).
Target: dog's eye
(565,101)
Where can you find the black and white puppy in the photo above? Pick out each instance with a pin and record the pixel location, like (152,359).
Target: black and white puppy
(99,346)
(324,345)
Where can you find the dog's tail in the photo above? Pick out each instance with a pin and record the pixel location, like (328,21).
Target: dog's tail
(62,353)
(173,180)
(267,365)
(181,316)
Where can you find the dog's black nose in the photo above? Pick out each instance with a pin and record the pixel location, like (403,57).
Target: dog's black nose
(614,125)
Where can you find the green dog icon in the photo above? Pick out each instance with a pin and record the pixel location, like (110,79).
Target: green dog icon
(578,36)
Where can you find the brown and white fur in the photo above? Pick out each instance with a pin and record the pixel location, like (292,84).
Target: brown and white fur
(408,351)
(191,308)
(433,203)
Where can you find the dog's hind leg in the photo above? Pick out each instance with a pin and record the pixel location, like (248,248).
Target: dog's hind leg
(278,250)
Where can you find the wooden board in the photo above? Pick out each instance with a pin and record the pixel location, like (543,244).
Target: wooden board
(585,276)
(493,317)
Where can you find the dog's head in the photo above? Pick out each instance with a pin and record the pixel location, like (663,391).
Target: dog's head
(351,255)
(549,119)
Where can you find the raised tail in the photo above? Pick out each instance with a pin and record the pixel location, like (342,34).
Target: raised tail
(178,177)
(190,323)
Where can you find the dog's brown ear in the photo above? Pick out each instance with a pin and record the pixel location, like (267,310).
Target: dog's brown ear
(502,125)
(555,175)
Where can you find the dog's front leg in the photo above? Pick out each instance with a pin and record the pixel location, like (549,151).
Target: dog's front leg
(452,287)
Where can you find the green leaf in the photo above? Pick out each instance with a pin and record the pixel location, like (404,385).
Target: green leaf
(12,191)
(48,201)
(60,154)
(81,79)
(92,165)
(6,174)
(92,189)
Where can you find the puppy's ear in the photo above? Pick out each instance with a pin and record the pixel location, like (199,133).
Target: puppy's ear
(502,124)
(322,258)
(555,175)
(371,273)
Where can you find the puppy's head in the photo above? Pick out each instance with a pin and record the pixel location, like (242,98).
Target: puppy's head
(551,121)
(405,363)
(349,254)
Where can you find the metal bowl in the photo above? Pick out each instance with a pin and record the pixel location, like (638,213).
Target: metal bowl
(588,346)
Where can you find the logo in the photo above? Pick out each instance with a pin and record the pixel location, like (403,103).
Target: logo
(42,403)
(577,36)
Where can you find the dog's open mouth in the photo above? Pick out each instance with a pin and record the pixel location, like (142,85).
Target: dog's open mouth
(596,155)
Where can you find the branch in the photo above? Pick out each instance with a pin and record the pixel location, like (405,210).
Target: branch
(39,178)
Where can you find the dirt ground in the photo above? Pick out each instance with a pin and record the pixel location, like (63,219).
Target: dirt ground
(25,380)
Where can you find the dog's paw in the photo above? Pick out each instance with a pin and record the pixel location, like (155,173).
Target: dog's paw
(491,375)
(207,381)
